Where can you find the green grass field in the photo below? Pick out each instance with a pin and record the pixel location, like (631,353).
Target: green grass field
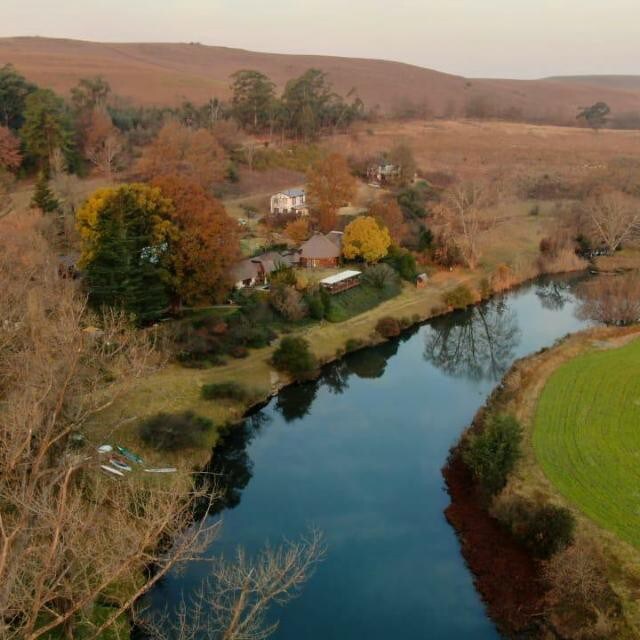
(587,436)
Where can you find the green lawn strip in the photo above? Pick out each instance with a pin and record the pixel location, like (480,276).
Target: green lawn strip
(587,436)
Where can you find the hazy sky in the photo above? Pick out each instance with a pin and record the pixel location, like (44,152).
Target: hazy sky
(503,38)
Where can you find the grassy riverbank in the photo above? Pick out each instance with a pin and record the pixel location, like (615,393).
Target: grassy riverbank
(174,388)
(566,457)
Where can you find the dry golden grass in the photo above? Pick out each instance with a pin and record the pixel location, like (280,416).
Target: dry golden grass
(153,73)
(471,149)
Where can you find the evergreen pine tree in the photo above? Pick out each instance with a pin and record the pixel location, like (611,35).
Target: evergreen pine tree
(43,197)
(127,269)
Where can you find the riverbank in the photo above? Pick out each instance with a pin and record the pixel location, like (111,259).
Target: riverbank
(508,578)
(174,388)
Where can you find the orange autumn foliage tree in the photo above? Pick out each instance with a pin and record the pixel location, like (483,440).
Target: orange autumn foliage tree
(330,186)
(298,230)
(10,156)
(388,213)
(206,246)
(179,150)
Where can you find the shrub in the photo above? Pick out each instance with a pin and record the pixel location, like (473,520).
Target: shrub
(353,344)
(288,302)
(380,276)
(403,262)
(294,356)
(167,431)
(486,290)
(458,298)
(535,210)
(545,529)
(492,453)
(388,327)
(239,351)
(224,390)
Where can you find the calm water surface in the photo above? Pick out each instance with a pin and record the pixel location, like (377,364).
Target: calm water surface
(358,454)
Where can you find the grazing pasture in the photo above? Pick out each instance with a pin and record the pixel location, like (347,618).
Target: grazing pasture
(587,436)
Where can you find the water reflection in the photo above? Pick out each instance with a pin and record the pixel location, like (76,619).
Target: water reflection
(230,468)
(477,343)
(554,294)
(358,454)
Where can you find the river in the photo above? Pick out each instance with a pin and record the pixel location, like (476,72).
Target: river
(358,454)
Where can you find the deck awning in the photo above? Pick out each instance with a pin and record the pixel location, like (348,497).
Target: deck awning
(340,277)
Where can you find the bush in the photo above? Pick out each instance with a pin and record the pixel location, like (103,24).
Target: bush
(380,276)
(224,391)
(353,344)
(545,529)
(288,302)
(403,262)
(293,356)
(388,327)
(492,454)
(239,351)
(459,298)
(535,210)
(169,432)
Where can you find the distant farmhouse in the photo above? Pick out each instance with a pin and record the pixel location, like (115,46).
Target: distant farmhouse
(382,171)
(290,201)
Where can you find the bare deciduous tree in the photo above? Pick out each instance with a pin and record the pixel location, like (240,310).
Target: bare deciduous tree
(614,217)
(72,537)
(103,143)
(611,299)
(460,216)
(232,604)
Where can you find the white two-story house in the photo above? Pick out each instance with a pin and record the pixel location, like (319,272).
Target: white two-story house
(290,201)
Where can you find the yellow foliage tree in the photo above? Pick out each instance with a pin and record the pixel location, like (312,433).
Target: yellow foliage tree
(365,238)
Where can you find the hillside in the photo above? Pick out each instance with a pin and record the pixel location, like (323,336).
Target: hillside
(149,73)
(626,83)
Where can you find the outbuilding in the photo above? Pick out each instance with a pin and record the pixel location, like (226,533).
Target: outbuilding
(342,281)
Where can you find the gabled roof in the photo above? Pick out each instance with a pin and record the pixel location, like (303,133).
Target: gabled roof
(319,247)
(245,270)
(336,238)
(292,193)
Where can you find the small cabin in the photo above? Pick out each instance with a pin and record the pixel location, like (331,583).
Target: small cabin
(290,201)
(342,281)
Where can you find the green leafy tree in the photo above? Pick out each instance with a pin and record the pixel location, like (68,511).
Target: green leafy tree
(492,454)
(305,100)
(47,126)
(43,197)
(253,100)
(294,356)
(14,90)
(126,243)
(595,115)
(90,94)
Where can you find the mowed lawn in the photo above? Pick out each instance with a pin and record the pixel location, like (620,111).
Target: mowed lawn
(587,436)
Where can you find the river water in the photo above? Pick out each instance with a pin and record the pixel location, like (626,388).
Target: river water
(358,454)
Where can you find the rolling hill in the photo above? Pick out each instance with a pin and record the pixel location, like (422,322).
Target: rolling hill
(165,73)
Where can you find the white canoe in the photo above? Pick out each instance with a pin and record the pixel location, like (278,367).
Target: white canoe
(162,470)
(111,470)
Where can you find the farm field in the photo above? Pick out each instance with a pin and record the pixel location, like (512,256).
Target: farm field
(587,436)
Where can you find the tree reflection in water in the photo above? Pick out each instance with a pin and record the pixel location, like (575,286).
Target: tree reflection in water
(294,401)
(230,468)
(477,343)
(553,295)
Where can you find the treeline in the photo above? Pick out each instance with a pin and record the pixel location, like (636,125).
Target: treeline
(96,128)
